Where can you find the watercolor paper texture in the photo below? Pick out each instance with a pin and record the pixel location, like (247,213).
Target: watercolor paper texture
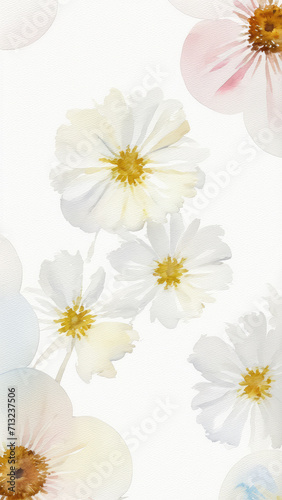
(140,250)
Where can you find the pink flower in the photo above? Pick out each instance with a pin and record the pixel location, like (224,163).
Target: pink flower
(233,62)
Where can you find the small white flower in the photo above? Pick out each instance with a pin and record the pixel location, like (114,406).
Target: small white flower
(56,455)
(19,329)
(244,379)
(76,317)
(175,273)
(122,165)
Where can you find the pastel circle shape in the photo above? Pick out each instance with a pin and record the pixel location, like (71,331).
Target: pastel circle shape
(22,22)
(257,476)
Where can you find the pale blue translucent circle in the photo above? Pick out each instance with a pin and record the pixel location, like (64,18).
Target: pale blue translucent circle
(256,477)
(10,268)
(19,332)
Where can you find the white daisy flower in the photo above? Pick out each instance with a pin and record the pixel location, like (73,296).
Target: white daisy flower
(244,379)
(257,476)
(175,272)
(53,454)
(122,165)
(76,317)
(19,329)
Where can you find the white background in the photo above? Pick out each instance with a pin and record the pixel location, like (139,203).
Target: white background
(92,46)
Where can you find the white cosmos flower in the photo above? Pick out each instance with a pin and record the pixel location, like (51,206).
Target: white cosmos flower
(244,379)
(256,477)
(121,165)
(76,317)
(19,329)
(57,456)
(175,272)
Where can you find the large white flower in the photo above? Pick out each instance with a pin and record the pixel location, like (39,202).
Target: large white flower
(122,165)
(175,272)
(19,330)
(233,63)
(244,378)
(256,477)
(51,454)
(76,317)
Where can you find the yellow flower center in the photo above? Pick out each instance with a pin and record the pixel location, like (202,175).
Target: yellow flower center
(75,321)
(265,29)
(128,166)
(170,271)
(23,474)
(256,384)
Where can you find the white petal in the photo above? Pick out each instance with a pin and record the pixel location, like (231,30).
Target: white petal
(251,341)
(10,268)
(131,300)
(176,230)
(164,308)
(169,188)
(78,183)
(119,115)
(217,361)
(143,113)
(275,307)
(230,431)
(271,411)
(95,288)
(213,277)
(131,257)
(92,128)
(158,238)
(168,126)
(80,211)
(192,299)
(102,469)
(104,343)
(207,393)
(61,279)
(19,332)
(185,154)
(134,212)
(188,236)
(204,246)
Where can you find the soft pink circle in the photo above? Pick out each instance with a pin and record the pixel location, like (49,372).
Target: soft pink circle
(22,22)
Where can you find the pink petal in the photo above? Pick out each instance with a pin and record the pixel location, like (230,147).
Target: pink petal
(216,65)
(205,9)
(263,112)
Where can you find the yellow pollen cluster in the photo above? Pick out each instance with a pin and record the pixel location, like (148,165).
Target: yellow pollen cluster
(128,167)
(30,474)
(170,271)
(256,384)
(265,29)
(75,321)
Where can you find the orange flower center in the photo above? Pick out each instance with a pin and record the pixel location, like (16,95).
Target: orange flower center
(265,29)
(256,384)
(128,166)
(22,474)
(170,272)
